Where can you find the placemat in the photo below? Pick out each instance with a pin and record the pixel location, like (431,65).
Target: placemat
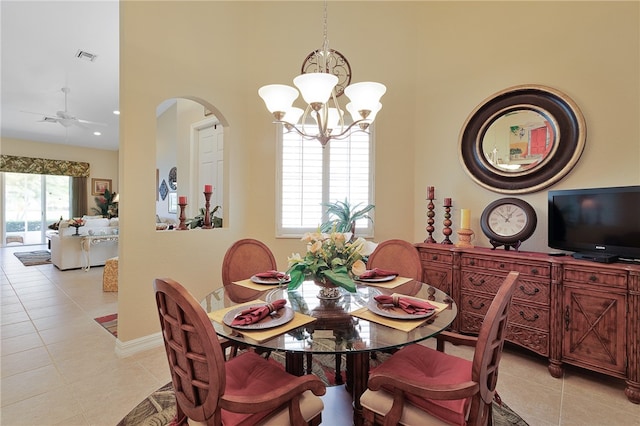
(260,336)
(403,325)
(389,284)
(254,286)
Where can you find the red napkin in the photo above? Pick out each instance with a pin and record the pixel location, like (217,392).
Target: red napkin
(256,313)
(378,272)
(271,274)
(409,305)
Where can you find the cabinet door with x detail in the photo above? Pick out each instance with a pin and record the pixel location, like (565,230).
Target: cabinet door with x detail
(594,328)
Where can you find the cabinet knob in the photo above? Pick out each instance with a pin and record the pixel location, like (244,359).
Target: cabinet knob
(534,271)
(472,262)
(434,257)
(567,318)
(502,266)
(593,278)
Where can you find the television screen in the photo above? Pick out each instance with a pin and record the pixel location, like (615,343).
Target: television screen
(596,220)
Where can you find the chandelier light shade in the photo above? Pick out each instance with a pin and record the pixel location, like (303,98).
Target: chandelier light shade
(319,92)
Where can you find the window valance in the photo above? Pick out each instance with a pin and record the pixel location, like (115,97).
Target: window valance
(43,166)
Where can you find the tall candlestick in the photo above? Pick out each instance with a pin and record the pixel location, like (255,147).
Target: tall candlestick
(465,218)
(208,188)
(207,209)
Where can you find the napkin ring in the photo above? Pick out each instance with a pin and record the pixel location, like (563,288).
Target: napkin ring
(271,307)
(396,300)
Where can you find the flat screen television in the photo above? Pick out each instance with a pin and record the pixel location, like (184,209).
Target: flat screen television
(600,224)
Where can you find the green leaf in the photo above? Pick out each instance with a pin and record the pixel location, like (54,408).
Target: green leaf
(340,277)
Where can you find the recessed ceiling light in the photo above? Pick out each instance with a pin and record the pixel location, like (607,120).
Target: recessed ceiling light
(116,112)
(97,133)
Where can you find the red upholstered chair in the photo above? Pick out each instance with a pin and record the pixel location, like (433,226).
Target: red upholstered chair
(418,385)
(397,255)
(246,390)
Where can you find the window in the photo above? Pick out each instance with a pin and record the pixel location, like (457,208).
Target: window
(310,176)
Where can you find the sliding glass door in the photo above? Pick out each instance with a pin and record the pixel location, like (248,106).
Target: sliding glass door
(32,202)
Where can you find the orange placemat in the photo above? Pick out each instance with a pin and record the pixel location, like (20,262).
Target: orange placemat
(403,325)
(259,336)
(389,284)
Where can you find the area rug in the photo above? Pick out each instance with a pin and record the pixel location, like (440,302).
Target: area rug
(159,408)
(110,323)
(31,258)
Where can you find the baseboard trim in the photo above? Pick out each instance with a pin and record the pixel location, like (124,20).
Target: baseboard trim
(132,347)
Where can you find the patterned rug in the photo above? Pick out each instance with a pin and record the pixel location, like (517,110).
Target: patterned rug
(110,323)
(31,258)
(159,408)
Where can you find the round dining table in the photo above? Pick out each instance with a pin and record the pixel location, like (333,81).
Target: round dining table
(337,326)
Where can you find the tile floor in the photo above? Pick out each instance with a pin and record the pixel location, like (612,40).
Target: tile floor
(59,366)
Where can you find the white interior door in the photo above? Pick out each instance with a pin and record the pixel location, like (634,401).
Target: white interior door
(210,142)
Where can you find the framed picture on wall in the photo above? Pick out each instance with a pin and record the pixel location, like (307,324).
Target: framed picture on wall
(98,186)
(173,202)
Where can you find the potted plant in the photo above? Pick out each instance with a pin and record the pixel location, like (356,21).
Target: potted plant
(198,221)
(343,216)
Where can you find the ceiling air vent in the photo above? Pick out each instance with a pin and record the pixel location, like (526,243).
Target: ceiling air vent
(86,56)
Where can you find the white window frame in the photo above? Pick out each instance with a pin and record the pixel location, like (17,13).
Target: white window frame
(362,229)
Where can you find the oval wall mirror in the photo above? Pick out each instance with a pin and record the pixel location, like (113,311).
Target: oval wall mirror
(522,139)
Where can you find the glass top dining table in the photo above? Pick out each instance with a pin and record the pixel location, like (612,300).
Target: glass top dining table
(335,330)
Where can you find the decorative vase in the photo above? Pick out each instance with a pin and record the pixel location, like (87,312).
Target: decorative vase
(328,290)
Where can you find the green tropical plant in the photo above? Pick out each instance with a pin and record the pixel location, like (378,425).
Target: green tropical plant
(198,221)
(343,216)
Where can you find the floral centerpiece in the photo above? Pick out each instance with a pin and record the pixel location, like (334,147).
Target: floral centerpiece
(330,257)
(76,222)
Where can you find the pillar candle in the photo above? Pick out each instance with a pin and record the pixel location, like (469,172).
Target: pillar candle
(447,201)
(465,218)
(182,199)
(431,191)
(208,188)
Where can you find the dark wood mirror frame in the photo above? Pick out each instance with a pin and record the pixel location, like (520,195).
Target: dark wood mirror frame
(565,120)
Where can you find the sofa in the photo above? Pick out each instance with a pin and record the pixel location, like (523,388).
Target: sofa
(97,241)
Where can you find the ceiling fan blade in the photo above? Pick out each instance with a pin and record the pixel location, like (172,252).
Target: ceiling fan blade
(91,123)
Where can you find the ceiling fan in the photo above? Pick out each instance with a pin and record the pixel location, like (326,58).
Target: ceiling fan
(65,118)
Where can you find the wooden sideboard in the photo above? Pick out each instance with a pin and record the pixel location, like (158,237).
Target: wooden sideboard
(571,311)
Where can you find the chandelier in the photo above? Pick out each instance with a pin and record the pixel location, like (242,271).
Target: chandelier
(320,90)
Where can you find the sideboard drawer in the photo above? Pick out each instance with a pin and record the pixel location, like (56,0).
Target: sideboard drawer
(436,256)
(536,269)
(530,316)
(595,276)
(528,290)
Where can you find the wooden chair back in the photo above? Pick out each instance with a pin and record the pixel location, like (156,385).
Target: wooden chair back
(245,258)
(488,351)
(398,255)
(195,357)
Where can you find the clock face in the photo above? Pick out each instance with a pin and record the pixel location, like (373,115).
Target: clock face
(337,65)
(507,220)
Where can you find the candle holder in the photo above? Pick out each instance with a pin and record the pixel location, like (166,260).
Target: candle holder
(183,218)
(207,211)
(464,238)
(430,228)
(447,221)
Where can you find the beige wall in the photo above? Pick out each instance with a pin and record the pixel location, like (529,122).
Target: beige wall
(438,60)
(103,163)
